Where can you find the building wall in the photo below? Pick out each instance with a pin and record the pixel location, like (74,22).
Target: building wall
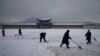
(17,26)
(35,26)
(67,26)
(92,27)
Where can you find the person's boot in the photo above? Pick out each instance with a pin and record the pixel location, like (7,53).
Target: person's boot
(68,47)
(61,45)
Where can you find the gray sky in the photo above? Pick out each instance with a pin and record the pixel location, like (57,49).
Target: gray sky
(58,10)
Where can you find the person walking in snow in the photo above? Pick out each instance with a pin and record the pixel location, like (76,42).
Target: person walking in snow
(20,32)
(88,37)
(42,36)
(65,39)
(3,32)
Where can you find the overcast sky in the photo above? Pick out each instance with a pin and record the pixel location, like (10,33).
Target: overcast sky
(60,10)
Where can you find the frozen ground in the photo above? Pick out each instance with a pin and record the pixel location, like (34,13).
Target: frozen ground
(29,45)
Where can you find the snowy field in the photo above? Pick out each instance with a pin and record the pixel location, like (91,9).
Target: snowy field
(29,45)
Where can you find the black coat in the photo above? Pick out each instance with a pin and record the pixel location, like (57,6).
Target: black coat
(88,35)
(42,35)
(66,38)
(3,32)
(20,32)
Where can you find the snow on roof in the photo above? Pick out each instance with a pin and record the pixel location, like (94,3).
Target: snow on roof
(54,23)
(44,18)
(35,24)
(20,24)
(67,23)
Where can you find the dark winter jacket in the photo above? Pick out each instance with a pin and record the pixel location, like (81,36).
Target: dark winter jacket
(20,32)
(88,35)
(66,38)
(42,35)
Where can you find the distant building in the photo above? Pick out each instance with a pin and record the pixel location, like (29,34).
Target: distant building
(0,25)
(44,23)
(47,24)
(17,25)
(67,25)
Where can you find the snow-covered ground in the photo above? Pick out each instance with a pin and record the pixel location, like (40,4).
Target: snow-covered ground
(29,45)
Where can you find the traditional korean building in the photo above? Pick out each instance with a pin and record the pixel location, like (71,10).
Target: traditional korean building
(44,23)
(17,25)
(48,24)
